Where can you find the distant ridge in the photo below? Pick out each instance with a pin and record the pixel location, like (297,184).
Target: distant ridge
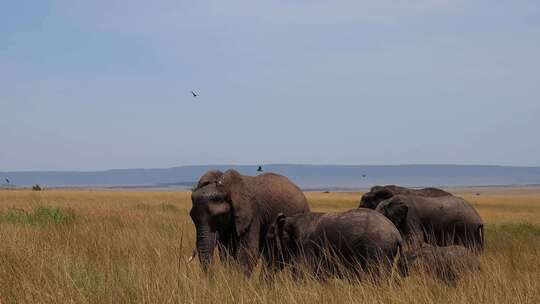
(307,176)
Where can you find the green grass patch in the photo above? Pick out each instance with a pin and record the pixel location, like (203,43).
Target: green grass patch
(38,217)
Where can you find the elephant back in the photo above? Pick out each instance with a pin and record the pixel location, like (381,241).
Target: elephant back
(359,232)
(275,194)
(378,194)
(447,209)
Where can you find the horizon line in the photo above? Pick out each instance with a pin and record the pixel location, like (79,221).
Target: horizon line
(271,164)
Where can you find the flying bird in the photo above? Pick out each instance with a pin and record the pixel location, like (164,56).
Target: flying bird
(194,94)
(7,180)
(363,175)
(260,169)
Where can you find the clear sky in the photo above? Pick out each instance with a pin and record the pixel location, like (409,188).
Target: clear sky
(89,85)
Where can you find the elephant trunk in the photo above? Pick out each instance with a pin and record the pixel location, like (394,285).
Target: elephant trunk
(206,241)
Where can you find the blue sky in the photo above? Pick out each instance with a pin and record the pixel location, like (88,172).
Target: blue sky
(89,85)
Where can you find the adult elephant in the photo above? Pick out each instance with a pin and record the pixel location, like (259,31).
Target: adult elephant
(233,212)
(442,221)
(378,194)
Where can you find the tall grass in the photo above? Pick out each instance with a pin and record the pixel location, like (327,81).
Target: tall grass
(131,247)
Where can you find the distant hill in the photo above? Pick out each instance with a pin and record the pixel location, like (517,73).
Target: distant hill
(307,176)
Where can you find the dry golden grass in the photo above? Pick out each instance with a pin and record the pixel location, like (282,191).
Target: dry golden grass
(130,247)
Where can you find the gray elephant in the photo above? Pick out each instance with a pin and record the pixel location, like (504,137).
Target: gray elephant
(378,194)
(446,263)
(446,220)
(232,211)
(333,243)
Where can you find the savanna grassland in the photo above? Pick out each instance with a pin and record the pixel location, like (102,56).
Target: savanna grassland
(66,246)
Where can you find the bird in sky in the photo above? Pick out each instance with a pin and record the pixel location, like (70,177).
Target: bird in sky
(194,94)
(260,169)
(363,175)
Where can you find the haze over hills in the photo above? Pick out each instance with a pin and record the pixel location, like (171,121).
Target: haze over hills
(306,176)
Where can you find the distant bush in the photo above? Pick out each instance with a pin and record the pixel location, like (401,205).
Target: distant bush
(39,216)
(36,187)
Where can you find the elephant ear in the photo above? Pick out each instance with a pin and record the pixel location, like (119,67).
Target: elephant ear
(241,199)
(280,222)
(383,194)
(285,231)
(209,177)
(397,213)
(376,188)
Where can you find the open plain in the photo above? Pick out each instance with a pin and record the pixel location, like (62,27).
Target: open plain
(93,246)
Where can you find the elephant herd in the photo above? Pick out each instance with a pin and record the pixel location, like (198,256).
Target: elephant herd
(268,216)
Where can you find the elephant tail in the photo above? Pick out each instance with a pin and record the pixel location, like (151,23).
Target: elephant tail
(481,237)
(400,262)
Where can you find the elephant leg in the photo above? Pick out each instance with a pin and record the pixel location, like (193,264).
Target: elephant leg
(474,238)
(223,252)
(248,249)
(225,248)
(446,236)
(417,236)
(480,238)
(247,258)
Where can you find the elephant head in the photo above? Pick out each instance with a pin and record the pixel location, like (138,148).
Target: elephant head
(376,195)
(279,243)
(221,210)
(396,211)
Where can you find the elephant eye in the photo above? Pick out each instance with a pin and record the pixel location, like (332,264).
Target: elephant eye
(217,198)
(203,184)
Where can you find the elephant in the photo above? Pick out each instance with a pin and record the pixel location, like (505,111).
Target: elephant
(446,263)
(378,194)
(441,221)
(233,212)
(343,243)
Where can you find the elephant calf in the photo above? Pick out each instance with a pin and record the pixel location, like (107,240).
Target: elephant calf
(445,263)
(333,243)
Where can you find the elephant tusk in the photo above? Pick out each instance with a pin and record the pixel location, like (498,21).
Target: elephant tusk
(193,255)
